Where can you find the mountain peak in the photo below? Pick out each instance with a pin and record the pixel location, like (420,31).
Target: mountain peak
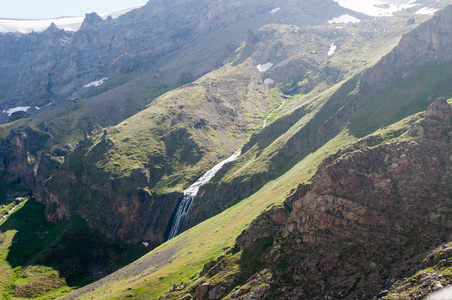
(91,20)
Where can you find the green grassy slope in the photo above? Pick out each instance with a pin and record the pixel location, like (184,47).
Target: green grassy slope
(182,258)
(42,260)
(187,130)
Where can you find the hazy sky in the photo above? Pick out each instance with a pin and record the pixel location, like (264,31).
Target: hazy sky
(45,9)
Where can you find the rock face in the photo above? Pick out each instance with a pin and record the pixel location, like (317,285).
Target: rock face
(164,42)
(440,109)
(371,215)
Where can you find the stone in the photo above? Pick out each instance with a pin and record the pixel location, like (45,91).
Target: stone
(441,109)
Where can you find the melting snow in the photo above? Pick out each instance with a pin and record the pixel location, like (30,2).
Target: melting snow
(27,26)
(426,11)
(264,68)
(19,108)
(275,10)
(344,19)
(376,8)
(333,48)
(66,23)
(442,294)
(268,81)
(95,83)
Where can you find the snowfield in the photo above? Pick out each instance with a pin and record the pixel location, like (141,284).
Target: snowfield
(13,110)
(265,67)
(333,48)
(66,23)
(344,19)
(375,8)
(95,83)
(426,11)
(442,294)
(268,81)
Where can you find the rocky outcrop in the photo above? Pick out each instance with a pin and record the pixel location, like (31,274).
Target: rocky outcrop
(440,109)
(160,43)
(19,153)
(434,277)
(114,207)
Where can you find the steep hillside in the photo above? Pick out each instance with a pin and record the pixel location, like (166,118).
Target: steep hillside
(301,235)
(151,157)
(330,116)
(371,215)
(42,260)
(161,43)
(292,86)
(403,82)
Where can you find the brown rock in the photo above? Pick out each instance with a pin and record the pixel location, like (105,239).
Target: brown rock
(202,291)
(441,109)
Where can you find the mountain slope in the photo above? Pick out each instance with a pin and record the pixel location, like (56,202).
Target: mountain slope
(151,157)
(403,82)
(328,85)
(160,43)
(166,265)
(372,213)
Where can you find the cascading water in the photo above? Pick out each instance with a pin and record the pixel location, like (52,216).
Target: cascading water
(270,114)
(190,194)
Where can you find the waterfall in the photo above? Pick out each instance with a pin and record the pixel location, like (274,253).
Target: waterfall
(190,194)
(270,114)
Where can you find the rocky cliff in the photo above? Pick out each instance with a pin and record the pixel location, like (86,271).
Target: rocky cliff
(161,43)
(370,217)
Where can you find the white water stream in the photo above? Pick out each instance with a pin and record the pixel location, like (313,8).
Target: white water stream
(9,212)
(190,194)
(273,111)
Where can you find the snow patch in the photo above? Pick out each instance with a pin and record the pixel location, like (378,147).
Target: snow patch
(66,23)
(19,108)
(333,48)
(146,244)
(376,8)
(344,19)
(275,10)
(268,81)
(95,83)
(38,108)
(426,11)
(443,294)
(265,67)
(27,26)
